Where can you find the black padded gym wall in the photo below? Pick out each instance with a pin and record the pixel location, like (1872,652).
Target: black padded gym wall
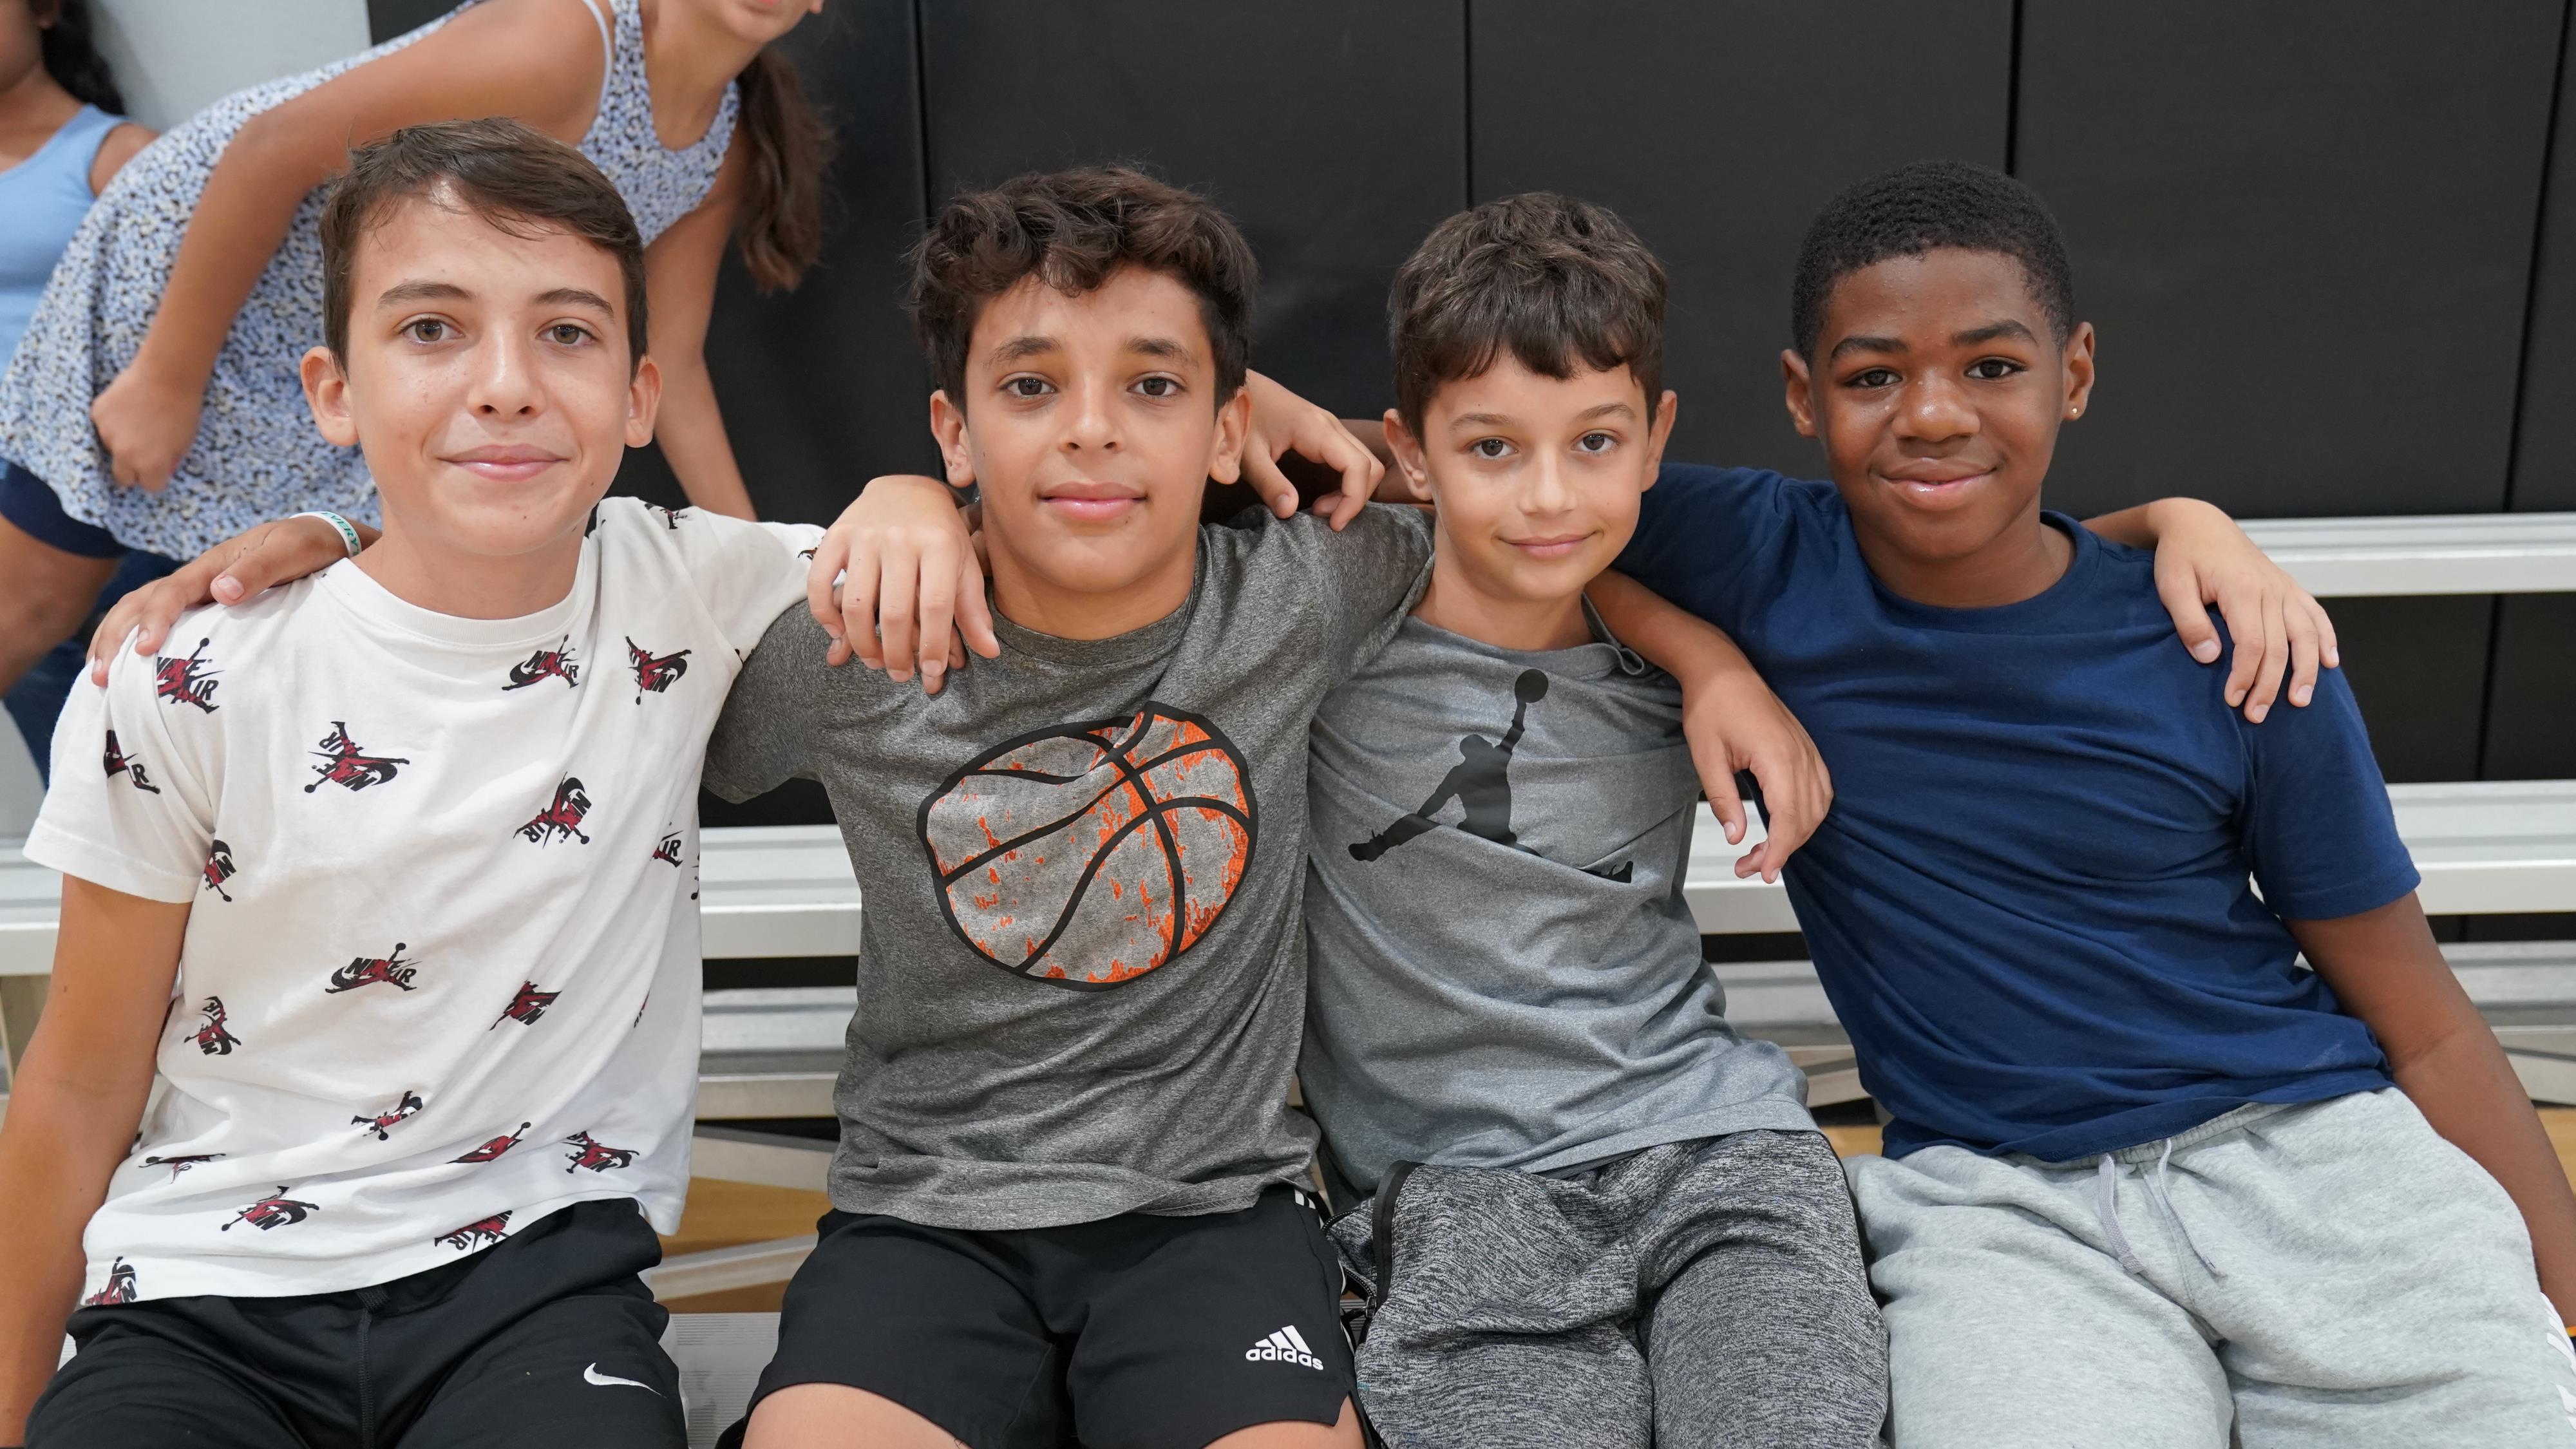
(2531,709)
(1717,129)
(1332,131)
(2305,231)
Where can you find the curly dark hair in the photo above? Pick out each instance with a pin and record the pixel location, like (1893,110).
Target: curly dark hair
(1071,230)
(72,58)
(1917,208)
(1545,277)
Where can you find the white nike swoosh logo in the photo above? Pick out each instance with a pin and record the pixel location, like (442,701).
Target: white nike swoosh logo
(592,1375)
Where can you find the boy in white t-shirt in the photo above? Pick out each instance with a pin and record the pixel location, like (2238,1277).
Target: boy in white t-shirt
(390,874)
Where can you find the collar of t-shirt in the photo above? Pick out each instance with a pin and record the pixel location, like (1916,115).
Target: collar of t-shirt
(375,609)
(2058,604)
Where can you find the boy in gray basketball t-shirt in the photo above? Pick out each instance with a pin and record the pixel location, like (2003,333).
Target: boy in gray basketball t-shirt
(1600,1217)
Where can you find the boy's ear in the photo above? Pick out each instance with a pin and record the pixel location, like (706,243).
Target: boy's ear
(1407,451)
(1233,425)
(2079,369)
(948,425)
(643,403)
(326,392)
(1798,391)
(1660,432)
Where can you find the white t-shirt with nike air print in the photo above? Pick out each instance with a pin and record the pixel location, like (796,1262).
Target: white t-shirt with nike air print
(441,971)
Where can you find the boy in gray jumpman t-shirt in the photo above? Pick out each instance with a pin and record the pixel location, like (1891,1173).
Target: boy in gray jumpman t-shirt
(1589,1212)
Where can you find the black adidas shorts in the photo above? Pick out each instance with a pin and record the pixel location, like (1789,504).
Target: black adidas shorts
(1135,1332)
(547,1340)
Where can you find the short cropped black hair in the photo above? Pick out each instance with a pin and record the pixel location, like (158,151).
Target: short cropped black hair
(1545,277)
(1071,230)
(1918,208)
(521,180)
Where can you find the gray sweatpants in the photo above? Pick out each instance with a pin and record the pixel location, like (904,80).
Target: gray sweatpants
(2326,1276)
(1699,1295)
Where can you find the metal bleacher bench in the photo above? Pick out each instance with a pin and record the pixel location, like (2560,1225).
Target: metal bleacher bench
(2483,848)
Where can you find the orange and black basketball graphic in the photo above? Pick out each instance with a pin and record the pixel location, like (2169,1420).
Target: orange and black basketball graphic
(1090,854)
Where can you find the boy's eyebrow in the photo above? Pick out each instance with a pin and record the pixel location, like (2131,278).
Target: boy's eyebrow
(419,291)
(1993,331)
(1025,345)
(576,297)
(1865,344)
(1163,347)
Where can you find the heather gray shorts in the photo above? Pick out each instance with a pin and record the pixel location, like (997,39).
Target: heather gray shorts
(1706,1294)
(2331,1275)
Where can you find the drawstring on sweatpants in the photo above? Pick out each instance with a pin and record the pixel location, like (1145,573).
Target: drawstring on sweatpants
(2106,1204)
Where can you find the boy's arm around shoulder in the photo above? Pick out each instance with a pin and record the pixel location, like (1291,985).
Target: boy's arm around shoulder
(2385,968)
(743,573)
(73,1108)
(2280,631)
(1732,720)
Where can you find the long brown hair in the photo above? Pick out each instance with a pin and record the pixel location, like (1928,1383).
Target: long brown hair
(71,57)
(780,229)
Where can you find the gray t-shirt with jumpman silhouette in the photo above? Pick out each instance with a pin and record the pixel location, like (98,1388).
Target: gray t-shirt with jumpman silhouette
(1504,973)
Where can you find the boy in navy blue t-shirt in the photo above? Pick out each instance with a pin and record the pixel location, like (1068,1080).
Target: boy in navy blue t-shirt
(2148,1179)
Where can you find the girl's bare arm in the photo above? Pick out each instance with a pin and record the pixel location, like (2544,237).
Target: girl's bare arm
(680,288)
(536,60)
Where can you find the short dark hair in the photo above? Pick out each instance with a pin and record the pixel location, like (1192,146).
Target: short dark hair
(519,179)
(1546,277)
(1071,230)
(1917,208)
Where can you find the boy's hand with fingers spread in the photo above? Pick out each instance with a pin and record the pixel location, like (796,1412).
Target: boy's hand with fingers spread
(2203,558)
(1732,720)
(1284,423)
(239,568)
(897,582)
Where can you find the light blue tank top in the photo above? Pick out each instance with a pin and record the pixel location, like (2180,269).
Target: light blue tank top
(42,201)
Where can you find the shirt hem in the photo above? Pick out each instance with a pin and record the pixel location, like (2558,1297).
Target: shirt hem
(2168,1119)
(51,845)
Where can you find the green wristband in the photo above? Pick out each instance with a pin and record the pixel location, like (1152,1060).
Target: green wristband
(348,530)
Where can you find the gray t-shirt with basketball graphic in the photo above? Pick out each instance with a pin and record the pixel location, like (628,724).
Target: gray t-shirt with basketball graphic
(1505,972)
(1082,974)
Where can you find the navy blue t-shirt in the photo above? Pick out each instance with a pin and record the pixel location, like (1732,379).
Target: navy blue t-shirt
(2034,904)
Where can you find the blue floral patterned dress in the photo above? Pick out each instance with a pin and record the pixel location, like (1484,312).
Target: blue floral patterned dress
(256,454)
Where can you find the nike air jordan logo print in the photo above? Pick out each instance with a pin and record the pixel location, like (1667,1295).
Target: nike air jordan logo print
(1285,1346)
(592,1375)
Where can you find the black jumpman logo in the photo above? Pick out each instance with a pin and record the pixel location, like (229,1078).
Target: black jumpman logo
(1480,782)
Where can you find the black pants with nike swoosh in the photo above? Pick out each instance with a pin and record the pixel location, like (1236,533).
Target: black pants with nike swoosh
(547,1340)
(1132,1332)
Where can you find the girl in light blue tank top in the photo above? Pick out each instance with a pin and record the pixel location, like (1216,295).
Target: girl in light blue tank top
(156,392)
(61,138)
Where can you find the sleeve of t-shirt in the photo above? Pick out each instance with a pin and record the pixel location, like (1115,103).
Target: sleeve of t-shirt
(1715,541)
(746,573)
(2319,829)
(762,739)
(126,807)
(1366,577)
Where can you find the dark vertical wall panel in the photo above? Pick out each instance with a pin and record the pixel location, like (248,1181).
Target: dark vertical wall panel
(2545,453)
(2531,716)
(2305,230)
(1718,129)
(1331,130)
(389,18)
(2418,667)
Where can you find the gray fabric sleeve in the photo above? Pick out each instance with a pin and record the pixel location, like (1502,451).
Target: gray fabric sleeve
(764,737)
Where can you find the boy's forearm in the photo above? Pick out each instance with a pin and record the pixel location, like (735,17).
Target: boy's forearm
(1672,639)
(57,1150)
(2385,968)
(2146,525)
(2467,1090)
